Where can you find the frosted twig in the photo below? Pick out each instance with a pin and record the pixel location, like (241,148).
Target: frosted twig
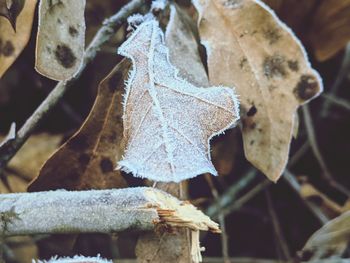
(104,34)
(316,150)
(292,181)
(230,195)
(97,211)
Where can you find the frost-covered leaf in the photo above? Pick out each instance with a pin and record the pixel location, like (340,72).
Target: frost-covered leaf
(248,47)
(87,159)
(13,42)
(183,52)
(168,122)
(61,38)
(329,241)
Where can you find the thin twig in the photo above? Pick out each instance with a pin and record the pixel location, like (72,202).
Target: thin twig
(104,34)
(292,181)
(282,243)
(298,154)
(221,217)
(316,150)
(237,204)
(231,194)
(343,72)
(337,101)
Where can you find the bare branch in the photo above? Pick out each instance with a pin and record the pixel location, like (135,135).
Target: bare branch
(97,211)
(316,150)
(292,181)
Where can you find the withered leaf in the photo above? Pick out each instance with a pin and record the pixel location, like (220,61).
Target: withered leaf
(12,43)
(11,9)
(330,30)
(168,122)
(324,25)
(331,240)
(86,161)
(248,47)
(60,39)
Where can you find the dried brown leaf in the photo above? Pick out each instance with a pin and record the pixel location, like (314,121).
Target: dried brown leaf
(248,47)
(330,30)
(331,240)
(34,153)
(12,43)
(168,121)
(87,159)
(10,9)
(324,25)
(60,39)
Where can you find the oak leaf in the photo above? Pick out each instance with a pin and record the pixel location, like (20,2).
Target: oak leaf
(168,122)
(248,47)
(86,160)
(60,39)
(12,43)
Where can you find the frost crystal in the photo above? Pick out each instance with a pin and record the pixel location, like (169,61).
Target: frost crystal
(168,122)
(76,259)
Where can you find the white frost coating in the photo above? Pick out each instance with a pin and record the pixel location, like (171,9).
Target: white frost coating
(75,259)
(168,122)
(158,4)
(296,39)
(94,211)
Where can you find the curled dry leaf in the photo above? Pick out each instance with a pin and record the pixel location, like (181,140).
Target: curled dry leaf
(168,122)
(12,43)
(10,9)
(248,47)
(330,30)
(60,39)
(329,241)
(87,159)
(322,24)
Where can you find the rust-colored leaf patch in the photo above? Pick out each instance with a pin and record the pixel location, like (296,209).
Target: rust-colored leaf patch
(86,161)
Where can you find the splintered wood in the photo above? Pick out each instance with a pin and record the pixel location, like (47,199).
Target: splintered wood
(60,39)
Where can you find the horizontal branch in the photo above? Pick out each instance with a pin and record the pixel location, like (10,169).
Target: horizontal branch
(97,211)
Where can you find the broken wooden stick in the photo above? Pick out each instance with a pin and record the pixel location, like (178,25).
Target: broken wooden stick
(97,211)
